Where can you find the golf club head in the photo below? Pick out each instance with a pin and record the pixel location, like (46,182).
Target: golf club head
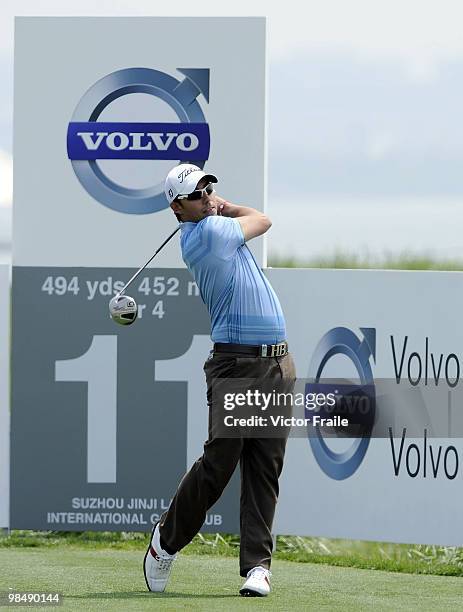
(123,309)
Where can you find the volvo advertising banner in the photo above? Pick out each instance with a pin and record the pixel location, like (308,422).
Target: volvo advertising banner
(105,107)
(397,331)
(106,419)
(4,395)
(110,417)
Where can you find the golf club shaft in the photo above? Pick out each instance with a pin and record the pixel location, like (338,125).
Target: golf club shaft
(149,261)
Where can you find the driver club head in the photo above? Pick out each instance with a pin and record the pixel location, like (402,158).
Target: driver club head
(123,309)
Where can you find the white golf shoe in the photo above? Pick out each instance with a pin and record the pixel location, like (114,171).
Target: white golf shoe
(157,564)
(257,583)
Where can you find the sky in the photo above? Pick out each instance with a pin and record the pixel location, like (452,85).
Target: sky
(365,103)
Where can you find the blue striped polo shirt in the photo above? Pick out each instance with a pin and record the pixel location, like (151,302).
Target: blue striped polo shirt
(242,305)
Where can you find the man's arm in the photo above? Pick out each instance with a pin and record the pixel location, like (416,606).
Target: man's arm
(253,222)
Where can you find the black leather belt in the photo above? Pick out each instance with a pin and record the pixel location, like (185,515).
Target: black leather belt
(260,350)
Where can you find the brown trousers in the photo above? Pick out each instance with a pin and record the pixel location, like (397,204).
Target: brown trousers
(260,459)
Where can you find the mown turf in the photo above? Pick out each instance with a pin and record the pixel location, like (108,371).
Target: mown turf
(407,558)
(108,579)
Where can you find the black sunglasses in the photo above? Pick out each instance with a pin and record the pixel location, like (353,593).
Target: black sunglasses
(197,194)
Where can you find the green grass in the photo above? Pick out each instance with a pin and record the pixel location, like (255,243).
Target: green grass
(413,559)
(401,261)
(108,579)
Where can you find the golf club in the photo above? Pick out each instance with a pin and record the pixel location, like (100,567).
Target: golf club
(123,308)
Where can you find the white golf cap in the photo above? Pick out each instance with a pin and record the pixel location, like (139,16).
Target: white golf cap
(183,179)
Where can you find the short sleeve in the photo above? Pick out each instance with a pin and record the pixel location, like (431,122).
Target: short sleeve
(222,235)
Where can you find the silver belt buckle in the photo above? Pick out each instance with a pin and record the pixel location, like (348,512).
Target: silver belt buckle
(263,350)
(279,350)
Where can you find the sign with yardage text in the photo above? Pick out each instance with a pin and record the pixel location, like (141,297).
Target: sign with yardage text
(107,419)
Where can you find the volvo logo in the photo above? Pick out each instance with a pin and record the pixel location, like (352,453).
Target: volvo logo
(90,139)
(340,340)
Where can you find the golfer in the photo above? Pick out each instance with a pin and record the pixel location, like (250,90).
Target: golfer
(248,331)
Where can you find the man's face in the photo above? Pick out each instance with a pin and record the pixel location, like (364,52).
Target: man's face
(196,210)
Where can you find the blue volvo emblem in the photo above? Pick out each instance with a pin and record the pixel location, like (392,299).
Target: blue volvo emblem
(89,139)
(341,340)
